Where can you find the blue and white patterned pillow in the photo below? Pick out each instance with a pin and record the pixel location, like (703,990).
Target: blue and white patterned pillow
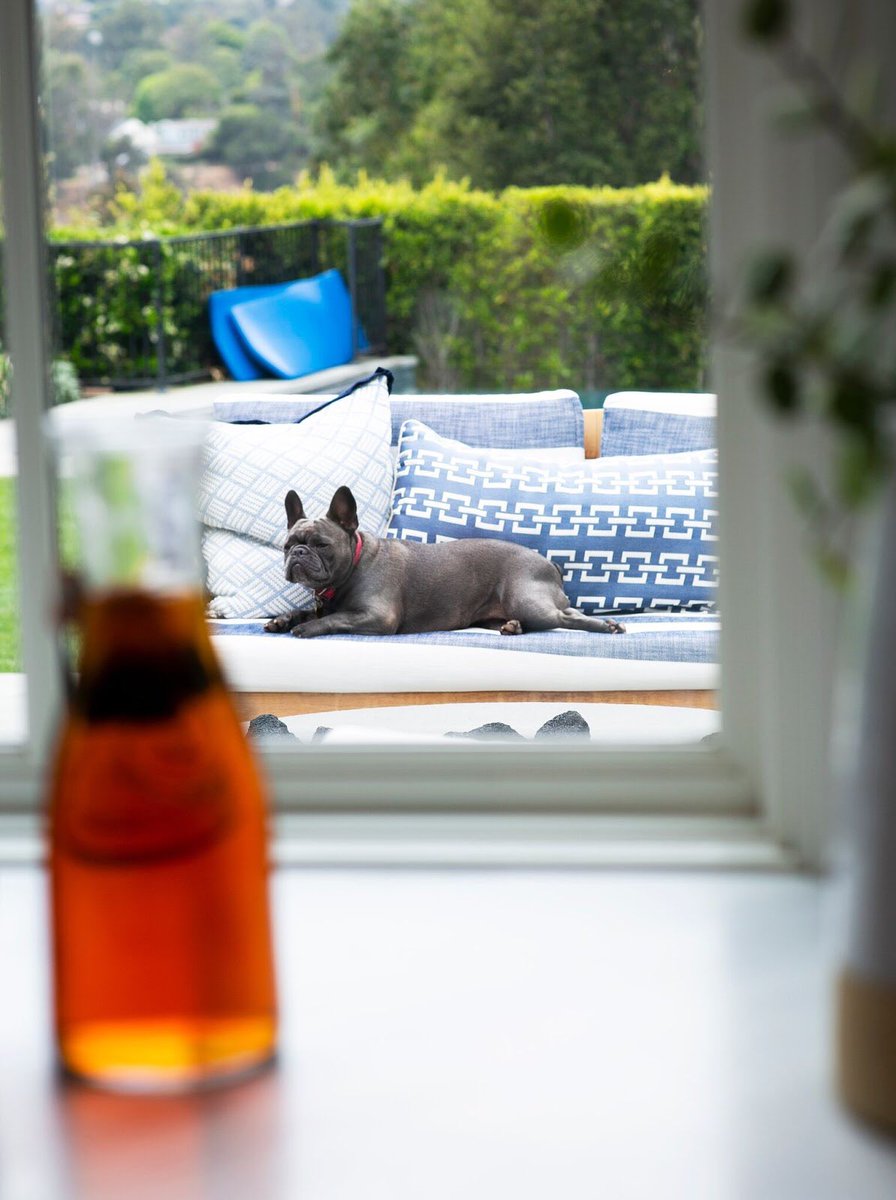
(248,471)
(627,534)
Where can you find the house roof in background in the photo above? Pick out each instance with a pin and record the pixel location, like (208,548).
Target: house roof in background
(173,138)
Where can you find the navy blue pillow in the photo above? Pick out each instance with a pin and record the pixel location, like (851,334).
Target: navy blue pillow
(627,534)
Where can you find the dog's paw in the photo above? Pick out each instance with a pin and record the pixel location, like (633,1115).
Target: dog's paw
(277,625)
(615,627)
(511,627)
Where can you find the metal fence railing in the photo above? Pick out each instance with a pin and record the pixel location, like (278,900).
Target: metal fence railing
(132,314)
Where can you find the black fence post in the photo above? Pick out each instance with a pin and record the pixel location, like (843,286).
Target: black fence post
(379,286)
(240,258)
(352,269)
(315,247)
(161,363)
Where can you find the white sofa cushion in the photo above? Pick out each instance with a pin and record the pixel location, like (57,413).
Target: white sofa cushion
(658,651)
(445,664)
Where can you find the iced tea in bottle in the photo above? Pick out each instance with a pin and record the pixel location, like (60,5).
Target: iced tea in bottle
(163,970)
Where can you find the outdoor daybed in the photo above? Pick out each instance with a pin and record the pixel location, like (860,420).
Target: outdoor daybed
(634,530)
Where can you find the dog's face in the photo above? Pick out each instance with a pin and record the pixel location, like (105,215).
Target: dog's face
(318,554)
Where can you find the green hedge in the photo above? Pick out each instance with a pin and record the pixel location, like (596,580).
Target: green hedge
(484,290)
(63,378)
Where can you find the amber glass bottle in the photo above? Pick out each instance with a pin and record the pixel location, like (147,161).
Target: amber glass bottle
(163,966)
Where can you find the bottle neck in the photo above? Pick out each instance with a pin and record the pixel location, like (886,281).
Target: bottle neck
(143,655)
(141,622)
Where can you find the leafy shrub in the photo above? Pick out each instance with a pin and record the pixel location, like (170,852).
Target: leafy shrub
(623,306)
(592,288)
(65,382)
(113,299)
(63,377)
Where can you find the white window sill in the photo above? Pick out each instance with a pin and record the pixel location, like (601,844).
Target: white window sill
(487,840)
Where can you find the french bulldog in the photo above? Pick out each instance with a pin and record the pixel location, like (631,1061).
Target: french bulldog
(366,584)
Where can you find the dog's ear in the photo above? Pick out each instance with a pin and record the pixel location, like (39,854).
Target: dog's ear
(294,510)
(344,510)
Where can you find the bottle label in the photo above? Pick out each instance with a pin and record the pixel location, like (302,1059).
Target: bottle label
(133,792)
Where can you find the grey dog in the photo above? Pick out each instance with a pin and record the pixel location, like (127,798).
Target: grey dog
(366,584)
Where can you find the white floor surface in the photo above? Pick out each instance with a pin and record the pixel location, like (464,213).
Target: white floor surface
(477,1035)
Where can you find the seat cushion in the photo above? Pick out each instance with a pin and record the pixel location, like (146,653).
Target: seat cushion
(524,421)
(653,637)
(657,423)
(228,341)
(249,469)
(658,651)
(305,327)
(626,535)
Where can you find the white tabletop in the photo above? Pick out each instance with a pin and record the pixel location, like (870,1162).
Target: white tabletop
(479,1036)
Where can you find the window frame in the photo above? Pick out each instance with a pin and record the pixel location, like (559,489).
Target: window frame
(758,795)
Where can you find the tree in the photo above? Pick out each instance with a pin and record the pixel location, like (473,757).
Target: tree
(269,59)
(517,92)
(258,146)
(129,25)
(137,64)
(184,90)
(123,162)
(371,100)
(225,65)
(75,130)
(222,33)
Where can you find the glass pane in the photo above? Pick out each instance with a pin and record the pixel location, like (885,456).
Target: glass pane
(12,688)
(251,211)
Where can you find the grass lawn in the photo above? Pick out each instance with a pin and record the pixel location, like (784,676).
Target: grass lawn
(10,659)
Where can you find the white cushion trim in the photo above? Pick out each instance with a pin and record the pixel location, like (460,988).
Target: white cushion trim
(499,397)
(688,404)
(435,397)
(253,664)
(562,455)
(632,630)
(549,454)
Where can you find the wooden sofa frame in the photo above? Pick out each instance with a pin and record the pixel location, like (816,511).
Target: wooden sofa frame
(283,704)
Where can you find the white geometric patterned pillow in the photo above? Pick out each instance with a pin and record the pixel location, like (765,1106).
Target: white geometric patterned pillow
(249,469)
